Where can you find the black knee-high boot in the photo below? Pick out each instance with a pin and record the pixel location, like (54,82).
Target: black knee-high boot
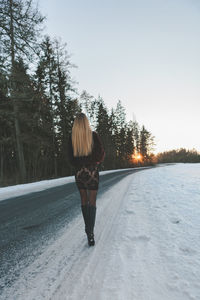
(92,217)
(85,212)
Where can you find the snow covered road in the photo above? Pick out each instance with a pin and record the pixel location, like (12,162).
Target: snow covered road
(32,215)
(147,244)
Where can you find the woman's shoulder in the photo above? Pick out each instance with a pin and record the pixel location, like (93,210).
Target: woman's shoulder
(97,139)
(95,133)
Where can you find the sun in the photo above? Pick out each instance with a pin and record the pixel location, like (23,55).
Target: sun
(138,156)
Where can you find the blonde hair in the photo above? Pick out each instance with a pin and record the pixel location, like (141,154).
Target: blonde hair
(82,141)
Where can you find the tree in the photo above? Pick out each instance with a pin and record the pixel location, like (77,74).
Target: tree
(6,130)
(67,106)
(19,24)
(54,80)
(90,107)
(119,133)
(146,143)
(136,136)
(47,72)
(129,143)
(179,155)
(102,127)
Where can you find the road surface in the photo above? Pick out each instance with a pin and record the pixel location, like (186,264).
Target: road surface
(28,223)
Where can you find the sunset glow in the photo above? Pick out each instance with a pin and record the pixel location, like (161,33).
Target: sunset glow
(137,157)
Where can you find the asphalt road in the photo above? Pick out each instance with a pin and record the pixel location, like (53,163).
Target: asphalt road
(28,223)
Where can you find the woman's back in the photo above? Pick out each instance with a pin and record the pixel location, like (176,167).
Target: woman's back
(96,155)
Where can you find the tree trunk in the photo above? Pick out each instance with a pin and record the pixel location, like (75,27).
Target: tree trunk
(53,127)
(20,150)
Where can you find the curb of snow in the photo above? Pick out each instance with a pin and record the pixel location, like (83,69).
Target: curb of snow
(23,189)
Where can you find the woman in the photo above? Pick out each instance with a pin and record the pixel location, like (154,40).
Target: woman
(85,153)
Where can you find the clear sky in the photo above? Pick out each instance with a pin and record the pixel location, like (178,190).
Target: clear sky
(144,52)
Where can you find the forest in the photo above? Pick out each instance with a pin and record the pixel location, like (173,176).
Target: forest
(181,155)
(39,101)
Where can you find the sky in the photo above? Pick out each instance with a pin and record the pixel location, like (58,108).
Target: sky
(145,53)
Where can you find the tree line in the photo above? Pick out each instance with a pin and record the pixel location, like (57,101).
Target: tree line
(39,101)
(179,155)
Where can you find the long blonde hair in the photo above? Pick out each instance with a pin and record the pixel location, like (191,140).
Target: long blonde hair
(82,141)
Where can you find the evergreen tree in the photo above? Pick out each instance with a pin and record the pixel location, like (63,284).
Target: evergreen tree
(6,132)
(67,106)
(47,81)
(146,143)
(54,80)
(19,24)
(102,127)
(120,133)
(179,155)
(129,143)
(90,107)
(136,136)
(112,155)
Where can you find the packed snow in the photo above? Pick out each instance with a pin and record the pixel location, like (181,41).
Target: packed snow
(147,244)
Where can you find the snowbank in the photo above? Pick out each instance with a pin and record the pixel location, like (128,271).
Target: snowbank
(23,189)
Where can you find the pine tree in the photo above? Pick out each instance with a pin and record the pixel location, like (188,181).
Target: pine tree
(54,80)
(6,130)
(89,106)
(67,106)
(136,137)
(146,143)
(112,150)
(19,24)
(120,133)
(129,144)
(104,130)
(47,81)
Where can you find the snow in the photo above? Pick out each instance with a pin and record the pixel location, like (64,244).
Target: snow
(147,244)
(23,189)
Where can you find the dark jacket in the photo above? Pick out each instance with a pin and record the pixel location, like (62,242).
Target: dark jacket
(95,157)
